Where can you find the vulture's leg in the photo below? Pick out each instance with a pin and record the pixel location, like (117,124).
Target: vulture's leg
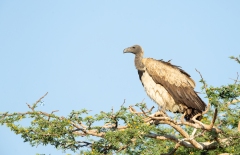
(163,110)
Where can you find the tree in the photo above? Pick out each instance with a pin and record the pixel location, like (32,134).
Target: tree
(137,129)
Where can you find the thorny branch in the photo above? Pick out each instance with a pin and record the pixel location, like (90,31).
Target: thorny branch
(236,80)
(188,140)
(38,101)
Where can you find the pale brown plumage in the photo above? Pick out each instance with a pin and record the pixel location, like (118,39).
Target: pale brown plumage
(168,85)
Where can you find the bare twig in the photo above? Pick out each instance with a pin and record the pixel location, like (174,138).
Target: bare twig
(184,142)
(52,113)
(194,132)
(207,109)
(204,84)
(233,102)
(236,80)
(35,104)
(39,100)
(207,127)
(134,111)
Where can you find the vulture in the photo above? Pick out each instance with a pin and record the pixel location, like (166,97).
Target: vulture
(167,85)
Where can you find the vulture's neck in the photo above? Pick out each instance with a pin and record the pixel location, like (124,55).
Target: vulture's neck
(138,61)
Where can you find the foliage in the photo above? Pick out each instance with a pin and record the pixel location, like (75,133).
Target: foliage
(235,58)
(128,131)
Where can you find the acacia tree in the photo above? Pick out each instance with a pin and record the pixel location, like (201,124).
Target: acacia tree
(138,129)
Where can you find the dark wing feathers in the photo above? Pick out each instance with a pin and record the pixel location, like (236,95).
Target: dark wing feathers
(140,73)
(176,81)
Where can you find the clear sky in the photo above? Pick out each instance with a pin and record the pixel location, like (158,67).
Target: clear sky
(74,51)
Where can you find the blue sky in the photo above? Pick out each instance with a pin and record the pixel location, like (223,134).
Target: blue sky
(74,51)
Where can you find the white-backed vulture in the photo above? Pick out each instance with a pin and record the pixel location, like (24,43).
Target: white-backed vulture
(167,85)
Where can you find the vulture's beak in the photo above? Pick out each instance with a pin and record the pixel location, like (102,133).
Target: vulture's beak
(126,51)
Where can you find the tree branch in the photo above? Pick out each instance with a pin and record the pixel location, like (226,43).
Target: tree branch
(184,142)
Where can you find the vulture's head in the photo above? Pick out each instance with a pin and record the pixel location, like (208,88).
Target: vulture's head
(135,49)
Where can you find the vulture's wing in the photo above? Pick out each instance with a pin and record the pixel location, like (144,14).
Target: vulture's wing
(176,81)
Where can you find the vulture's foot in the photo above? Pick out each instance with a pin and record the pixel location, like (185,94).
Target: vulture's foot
(162,111)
